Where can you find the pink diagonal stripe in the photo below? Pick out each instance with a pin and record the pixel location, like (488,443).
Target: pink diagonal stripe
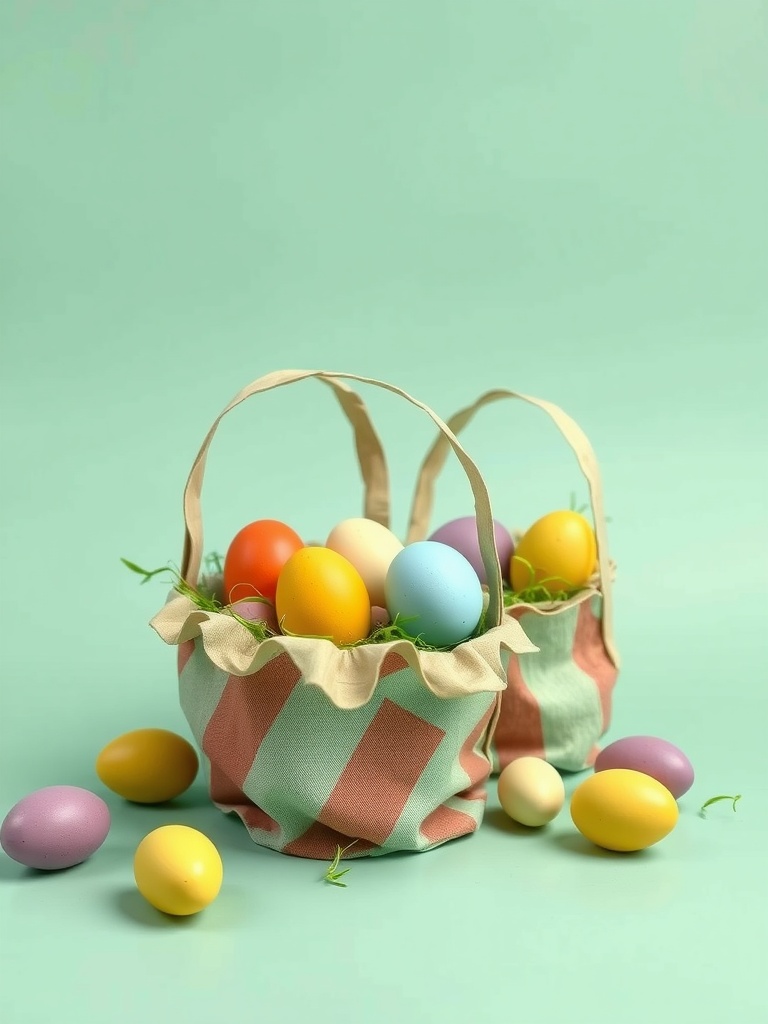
(592,756)
(476,765)
(392,663)
(590,655)
(381,774)
(226,794)
(320,842)
(446,823)
(518,732)
(248,707)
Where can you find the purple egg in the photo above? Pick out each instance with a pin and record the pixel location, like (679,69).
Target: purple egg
(56,827)
(461,534)
(257,611)
(379,617)
(652,756)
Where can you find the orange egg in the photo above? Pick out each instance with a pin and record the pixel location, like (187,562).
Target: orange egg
(255,558)
(557,552)
(320,593)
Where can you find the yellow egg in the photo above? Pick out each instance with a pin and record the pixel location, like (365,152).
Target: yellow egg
(558,552)
(531,791)
(621,809)
(320,593)
(148,766)
(178,870)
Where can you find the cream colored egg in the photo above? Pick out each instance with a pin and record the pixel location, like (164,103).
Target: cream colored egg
(370,547)
(531,791)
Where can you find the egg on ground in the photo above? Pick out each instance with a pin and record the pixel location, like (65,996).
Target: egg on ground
(531,791)
(148,766)
(658,758)
(178,870)
(623,810)
(55,827)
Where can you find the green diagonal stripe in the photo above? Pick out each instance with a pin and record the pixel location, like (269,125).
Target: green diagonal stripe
(569,703)
(443,776)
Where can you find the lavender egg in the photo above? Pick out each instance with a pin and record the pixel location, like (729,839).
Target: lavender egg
(56,827)
(461,534)
(257,611)
(652,756)
(379,617)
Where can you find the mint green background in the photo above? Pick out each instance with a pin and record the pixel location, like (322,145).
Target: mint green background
(564,198)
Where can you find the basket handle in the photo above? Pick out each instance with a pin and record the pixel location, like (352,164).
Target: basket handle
(370,455)
(434,460)
(193,540)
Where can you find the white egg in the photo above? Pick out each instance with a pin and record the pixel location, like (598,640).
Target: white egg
(370,547)
(531,791)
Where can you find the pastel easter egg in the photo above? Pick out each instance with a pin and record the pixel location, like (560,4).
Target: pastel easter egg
(257,610)
(623,810)
(461,534)
(148,766)
(435,592)
(531,791)
(370,547)
(658,758)
(379,617)
(321,594)
(178,870)
(558,552)
(55,827)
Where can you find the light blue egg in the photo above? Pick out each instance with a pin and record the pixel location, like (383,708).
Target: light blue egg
(434,588)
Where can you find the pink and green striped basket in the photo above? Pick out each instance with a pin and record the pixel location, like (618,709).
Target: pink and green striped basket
(386,747)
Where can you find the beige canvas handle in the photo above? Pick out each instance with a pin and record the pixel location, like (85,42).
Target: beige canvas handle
(193,541)
(370,456)
(434,461)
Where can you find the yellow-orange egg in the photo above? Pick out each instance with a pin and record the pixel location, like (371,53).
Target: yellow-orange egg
(621,809)
(320,593)
(148,766)
(557,552)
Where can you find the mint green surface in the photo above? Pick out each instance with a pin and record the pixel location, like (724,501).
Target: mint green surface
(568,199)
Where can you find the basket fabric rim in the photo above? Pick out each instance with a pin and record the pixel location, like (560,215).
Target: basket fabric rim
(348,676)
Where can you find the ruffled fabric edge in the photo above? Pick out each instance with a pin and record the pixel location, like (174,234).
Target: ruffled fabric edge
(555,607)
(592,589)
(348,676)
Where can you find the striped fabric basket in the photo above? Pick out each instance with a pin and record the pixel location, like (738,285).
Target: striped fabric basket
(557,703)
(384,746)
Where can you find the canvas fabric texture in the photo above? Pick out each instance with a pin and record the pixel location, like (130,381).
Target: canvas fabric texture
(558,700)
(379,748)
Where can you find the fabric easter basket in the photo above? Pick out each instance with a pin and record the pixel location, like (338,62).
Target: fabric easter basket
(558,701)
(314,746)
